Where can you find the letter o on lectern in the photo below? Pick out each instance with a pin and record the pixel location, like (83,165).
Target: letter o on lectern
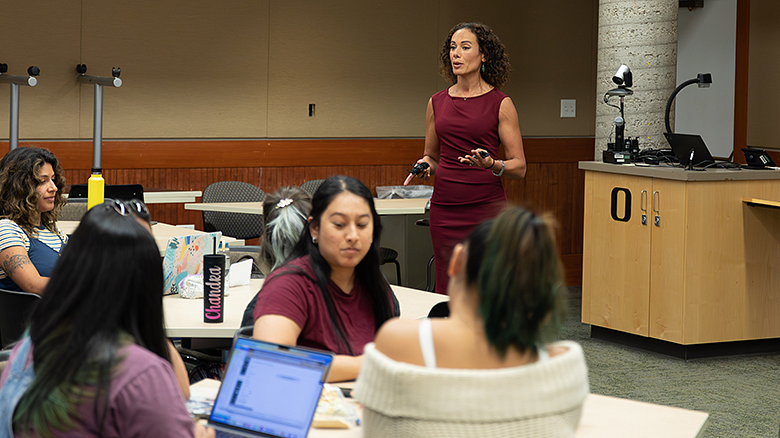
(627,208)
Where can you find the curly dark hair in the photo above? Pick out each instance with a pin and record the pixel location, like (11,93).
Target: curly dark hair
(496,63)
(19,181)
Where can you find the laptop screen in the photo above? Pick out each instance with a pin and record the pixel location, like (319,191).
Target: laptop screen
(270,390)
(689,146)
(184,257)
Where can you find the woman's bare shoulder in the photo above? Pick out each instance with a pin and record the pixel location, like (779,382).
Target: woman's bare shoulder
(557,348)
(398,340)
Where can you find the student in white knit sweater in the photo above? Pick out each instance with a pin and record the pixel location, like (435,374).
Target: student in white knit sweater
(487,369)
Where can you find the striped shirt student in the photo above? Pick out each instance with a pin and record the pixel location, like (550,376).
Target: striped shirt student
(43,250)
(31,184)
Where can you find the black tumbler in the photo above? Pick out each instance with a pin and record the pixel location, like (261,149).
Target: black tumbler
(213,287)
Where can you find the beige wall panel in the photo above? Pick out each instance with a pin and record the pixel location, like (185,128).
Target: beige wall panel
(190,68)
(763,70)
(369,67)
(201,69)
(552,48)
(45,34)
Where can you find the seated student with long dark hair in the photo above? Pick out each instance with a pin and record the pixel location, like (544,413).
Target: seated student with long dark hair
(96,362)
(331,295)
(488,369)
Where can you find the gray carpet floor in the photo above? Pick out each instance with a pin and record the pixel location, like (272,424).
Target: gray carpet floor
(741,394)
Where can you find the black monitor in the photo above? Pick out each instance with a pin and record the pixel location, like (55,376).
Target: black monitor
(121,192)
(686,146)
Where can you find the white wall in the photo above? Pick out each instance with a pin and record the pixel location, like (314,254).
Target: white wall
(706,43)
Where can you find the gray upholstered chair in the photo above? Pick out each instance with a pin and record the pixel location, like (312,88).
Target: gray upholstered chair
(73,211)
(311,186)
(238,225)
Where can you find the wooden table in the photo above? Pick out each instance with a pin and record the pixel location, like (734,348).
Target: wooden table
(602,417)
(701,269)
(184,317)
(383,206)
(161,232)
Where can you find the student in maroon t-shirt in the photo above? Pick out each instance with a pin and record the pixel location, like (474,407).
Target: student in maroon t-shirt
(331,294)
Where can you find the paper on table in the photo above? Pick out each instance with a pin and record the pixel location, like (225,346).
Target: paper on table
(240,273)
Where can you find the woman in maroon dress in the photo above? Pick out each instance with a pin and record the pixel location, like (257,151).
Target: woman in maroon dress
(465,124)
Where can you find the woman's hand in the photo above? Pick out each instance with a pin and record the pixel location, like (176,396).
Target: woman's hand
(478,158)
(424,174)
(202,431)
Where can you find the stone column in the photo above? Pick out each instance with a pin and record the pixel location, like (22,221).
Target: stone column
(641,34)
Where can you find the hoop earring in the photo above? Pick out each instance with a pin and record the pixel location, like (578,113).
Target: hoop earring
(314,240)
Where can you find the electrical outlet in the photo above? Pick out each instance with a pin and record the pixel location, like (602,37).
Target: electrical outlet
(568,108)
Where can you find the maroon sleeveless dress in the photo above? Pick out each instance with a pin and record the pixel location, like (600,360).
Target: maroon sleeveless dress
(463,196)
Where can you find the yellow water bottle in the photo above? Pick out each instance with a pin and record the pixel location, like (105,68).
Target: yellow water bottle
(95,189)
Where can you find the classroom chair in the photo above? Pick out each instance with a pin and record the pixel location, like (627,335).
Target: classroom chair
(15,311)
(238,225)
(311,186)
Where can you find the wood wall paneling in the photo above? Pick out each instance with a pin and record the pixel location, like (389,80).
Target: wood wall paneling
(552,184)
(741,64)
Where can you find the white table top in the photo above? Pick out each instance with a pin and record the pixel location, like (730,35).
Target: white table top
(184,317)
(383,206)
(602,417)
(169,196)
(607,417)
(161,232)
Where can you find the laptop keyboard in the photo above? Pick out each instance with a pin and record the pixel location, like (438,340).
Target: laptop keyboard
(227,434)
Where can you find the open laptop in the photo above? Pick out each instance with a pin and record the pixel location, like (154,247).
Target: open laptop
(184,257)
(686,146)
(269,390)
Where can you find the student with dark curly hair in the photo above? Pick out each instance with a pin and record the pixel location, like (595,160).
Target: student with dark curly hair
(465,124)
(31,183)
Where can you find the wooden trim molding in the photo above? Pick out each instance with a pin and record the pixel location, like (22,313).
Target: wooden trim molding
(741,79)
(188,154)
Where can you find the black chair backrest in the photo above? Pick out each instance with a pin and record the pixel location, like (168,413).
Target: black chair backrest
(121,192)
(238,225)
(440,310)
(311,186)
(15,311)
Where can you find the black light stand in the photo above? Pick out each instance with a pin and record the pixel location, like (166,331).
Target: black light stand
(15,81)
(702,79)
(96,183)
